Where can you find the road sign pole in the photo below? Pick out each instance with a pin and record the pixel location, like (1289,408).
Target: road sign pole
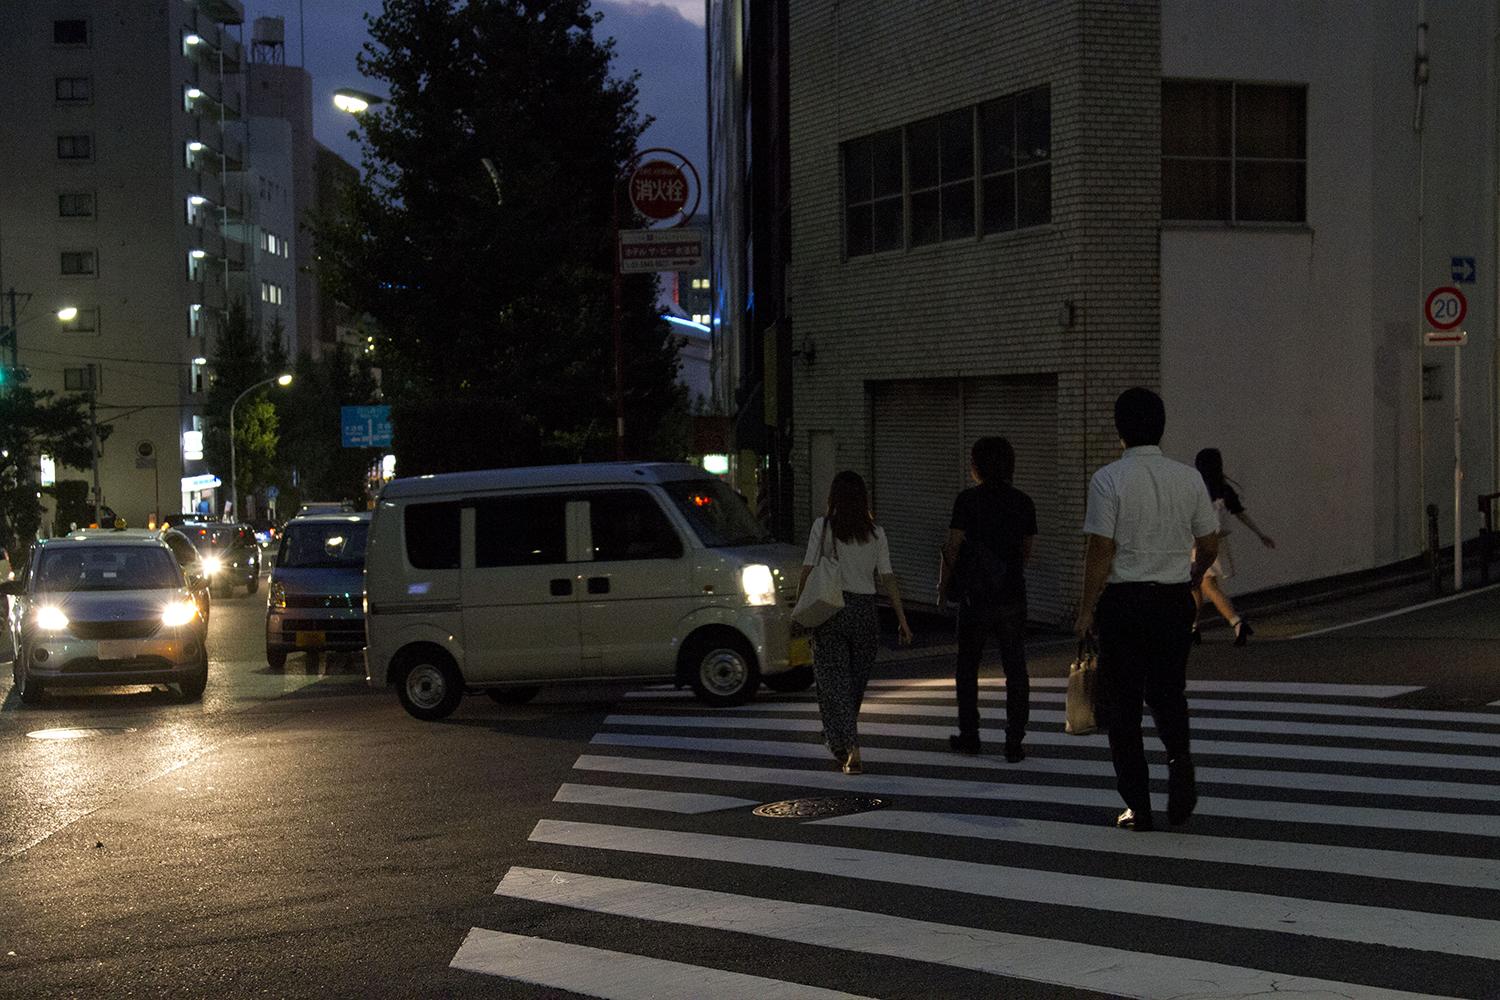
(1458,471)
(615,323)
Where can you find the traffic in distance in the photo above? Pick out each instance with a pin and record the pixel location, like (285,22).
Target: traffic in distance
(500,582)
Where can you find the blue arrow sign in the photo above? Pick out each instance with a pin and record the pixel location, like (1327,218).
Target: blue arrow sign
(366,426)
(1462,269)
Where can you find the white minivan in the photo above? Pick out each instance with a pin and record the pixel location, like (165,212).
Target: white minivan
(505,581)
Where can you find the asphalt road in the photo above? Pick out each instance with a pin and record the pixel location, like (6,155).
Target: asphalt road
(298,835)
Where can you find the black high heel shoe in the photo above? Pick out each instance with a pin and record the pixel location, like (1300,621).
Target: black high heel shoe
(1197,636)
(1242,632)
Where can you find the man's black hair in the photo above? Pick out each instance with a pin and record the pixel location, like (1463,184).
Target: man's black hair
(994,459)
(1140,417)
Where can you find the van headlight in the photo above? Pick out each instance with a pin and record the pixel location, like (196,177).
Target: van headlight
(212,565)
(178,613)
(50,618)
(758,585)
(276,595)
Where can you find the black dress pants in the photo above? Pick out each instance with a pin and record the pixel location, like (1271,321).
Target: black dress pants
(1144,635)
(1008,624)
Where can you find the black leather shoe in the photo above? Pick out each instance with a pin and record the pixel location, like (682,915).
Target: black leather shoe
(1182,792)
(1197,636)
(1243,632)
(1014,753)
(1128,820)
(959,744)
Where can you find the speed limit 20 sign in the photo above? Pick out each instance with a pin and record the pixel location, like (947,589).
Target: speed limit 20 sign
(1446,308)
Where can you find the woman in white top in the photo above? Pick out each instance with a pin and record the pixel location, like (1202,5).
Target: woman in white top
(844,646)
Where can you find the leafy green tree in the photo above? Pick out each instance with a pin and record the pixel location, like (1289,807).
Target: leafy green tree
(493,295)
(310,440)
(238,361)
(35,423)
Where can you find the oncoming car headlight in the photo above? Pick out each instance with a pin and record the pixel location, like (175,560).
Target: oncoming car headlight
(178,613)
(51,619)
(758,585)
(212,564)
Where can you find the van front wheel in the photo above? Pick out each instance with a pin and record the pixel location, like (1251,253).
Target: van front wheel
(722,670)
(430,689)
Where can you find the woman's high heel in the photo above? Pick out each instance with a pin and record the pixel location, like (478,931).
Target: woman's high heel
(1242,632)
(1197,636)
(851,762)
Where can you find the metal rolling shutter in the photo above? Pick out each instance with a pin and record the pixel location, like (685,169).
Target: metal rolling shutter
(1024,410)
(916,451)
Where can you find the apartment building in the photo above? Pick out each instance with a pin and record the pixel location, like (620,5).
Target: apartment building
(1002,214)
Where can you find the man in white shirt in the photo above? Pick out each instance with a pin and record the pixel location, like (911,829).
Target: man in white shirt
(1146,514)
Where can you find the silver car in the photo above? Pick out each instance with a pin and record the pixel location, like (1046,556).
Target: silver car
(105,610)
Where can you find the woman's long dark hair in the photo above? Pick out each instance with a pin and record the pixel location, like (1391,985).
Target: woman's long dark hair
(1210,465)
(849,515)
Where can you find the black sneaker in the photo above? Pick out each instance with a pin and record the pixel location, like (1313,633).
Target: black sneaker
(968,745)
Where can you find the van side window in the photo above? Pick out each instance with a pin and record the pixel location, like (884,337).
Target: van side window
(520,531)
(432,535)
(630,525)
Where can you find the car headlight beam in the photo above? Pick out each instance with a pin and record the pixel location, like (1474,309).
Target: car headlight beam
(212,564)
(178,613)
(758,585)
(50,618)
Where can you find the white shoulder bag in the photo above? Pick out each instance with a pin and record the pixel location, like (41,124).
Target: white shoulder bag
(823,594)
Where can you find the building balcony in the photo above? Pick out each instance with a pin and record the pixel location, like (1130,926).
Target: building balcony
(222,11)
(208,185)
(234,55)
(210,294)
(235,255)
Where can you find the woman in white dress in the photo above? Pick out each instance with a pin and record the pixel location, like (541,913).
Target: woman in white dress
(1226,501)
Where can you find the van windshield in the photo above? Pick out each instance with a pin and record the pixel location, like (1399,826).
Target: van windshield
(718,514)
(323,546)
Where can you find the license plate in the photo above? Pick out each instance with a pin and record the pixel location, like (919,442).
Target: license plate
(117,649)
(800,652)
(306,639)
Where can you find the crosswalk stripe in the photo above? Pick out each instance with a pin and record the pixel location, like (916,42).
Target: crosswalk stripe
(1075,965)
(1478,825)
(1201,747)
(688,803)
(1428,869)
(1320,690)
(617,975)
(1229,705)
(1306,780)
(1267,726)
(1434,932)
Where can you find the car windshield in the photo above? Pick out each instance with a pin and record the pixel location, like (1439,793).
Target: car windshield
(718,514)
(324,546)
(65,569)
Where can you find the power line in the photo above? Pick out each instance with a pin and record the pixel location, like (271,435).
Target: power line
(98,357)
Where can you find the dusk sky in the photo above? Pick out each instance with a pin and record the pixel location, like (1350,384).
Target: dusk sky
(663,39)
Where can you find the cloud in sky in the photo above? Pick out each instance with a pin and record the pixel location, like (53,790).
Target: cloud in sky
(662,39)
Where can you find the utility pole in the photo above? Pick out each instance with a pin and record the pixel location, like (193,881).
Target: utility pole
(94,437)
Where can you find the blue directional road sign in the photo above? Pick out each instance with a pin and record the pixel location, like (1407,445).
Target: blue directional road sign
(1463,269)
(366,426)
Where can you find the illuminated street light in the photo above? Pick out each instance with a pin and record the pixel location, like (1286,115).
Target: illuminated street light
(68,313)
(194,93)
(192,40)
(354,102)
(283,380)
(196,146)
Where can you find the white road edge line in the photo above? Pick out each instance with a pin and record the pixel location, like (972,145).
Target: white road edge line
(617,975)
(1389,614)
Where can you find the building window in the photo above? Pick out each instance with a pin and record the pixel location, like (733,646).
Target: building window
(74,89)
(1233,152)
(1015,161)
(940,176)
(873,195)
(75,204)
(271,292)
(984,168)
(78,379)
(78,262)
(71,32)
(198,375)
(75,147)
(195,320)
(87,321)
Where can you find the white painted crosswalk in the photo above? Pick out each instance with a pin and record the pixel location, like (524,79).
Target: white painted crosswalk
(1318,863)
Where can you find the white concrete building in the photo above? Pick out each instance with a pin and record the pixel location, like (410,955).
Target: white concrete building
(1005,213)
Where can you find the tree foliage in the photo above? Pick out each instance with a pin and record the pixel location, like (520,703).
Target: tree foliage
(311,442)
(493,297)
(35,423)
(238,361)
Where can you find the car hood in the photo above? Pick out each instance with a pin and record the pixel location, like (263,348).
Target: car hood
(111,605)
(320,579)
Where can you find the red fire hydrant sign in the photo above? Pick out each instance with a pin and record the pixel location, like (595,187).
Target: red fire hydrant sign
(658,189)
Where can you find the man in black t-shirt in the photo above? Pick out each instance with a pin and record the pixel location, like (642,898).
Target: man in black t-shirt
(989,543)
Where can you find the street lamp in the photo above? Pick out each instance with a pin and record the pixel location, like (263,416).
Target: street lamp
(354,102)
(234,485)
(8,330)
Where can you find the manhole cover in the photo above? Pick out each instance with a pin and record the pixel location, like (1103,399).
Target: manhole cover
(817,808)
(79,734)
